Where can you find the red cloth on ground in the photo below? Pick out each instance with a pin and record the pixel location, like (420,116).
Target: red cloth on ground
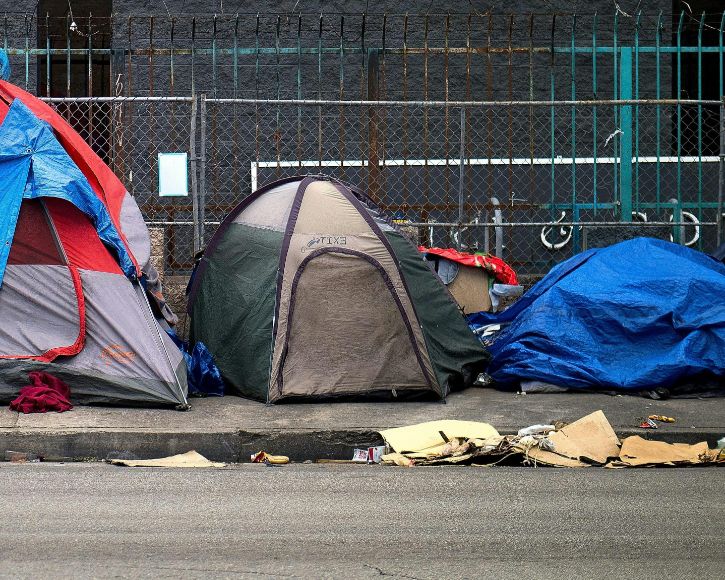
(495,266)
(46,393)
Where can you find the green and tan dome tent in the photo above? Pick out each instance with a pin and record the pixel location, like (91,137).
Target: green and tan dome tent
(305,291)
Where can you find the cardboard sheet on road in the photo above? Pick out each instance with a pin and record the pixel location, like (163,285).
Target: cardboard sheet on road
(590,439)
(429,438)
(188,459)
(637,452)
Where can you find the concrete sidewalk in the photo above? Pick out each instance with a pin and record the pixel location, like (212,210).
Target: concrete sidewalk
(231,428)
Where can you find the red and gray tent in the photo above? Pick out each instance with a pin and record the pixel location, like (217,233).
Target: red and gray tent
(75,278)
(305,291)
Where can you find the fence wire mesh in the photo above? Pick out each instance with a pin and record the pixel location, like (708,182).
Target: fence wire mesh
(518,167)
(533,182)
(128,134)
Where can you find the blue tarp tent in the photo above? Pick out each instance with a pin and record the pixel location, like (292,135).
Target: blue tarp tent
(33,164)
(635,316)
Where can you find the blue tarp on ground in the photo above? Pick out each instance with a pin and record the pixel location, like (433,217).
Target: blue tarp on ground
(641,314)
(34,164)
(202,374)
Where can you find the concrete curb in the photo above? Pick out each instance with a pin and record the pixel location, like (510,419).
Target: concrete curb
(237,446)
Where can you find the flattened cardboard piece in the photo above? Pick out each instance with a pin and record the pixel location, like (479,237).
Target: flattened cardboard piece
(549,458)
(397,459)
(188,459)
(427,438)
(637,452)
(591,438)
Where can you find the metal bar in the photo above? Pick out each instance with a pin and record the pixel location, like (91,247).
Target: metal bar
(594,113)
(373,180)
(721,171)
(426,176)
(532,147)
(552,123)
(383,110)
(120,99)
(291,51)
(47,55)
(457,104)
(27,49)
(277,130)
(129,62)
(658,174)
(485,224)
(341,137)
(616,110)
(677,237)
(213,56)
(405,113)
(510,140)
(194,183)
(298,153)
(720,55)
(699,121)
(193,56)
(721,165)
(555,224)
(202,168)
(461,175)
(541,161)
(235,63)
(319,94)
(446,124)
(257,129)
(68,22)
(151,57)
(636,111)
(575,209)
(625,195)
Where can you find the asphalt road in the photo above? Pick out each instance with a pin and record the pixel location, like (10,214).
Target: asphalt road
(96,520)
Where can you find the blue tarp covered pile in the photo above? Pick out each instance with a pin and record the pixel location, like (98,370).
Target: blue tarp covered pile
(638,316)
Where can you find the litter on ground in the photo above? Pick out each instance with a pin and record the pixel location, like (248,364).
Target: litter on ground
(188,459)
(589,441)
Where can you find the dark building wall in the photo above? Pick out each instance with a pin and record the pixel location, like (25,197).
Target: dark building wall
(489,71)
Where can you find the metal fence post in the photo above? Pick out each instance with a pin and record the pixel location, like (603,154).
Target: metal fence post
(461,176)
(202,171)
(721,174)
(625,155)
(194,181)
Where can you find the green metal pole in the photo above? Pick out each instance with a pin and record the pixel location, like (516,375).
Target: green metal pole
(552,126)
(594,108)
(574,205)
(658,40)
(636,112)
(677,237)
(699,123)
(615,141)
(625,157)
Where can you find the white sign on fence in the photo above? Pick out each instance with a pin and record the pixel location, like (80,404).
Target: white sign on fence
(173,174)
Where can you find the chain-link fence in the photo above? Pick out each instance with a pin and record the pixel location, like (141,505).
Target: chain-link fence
(533,182)
(128,133)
